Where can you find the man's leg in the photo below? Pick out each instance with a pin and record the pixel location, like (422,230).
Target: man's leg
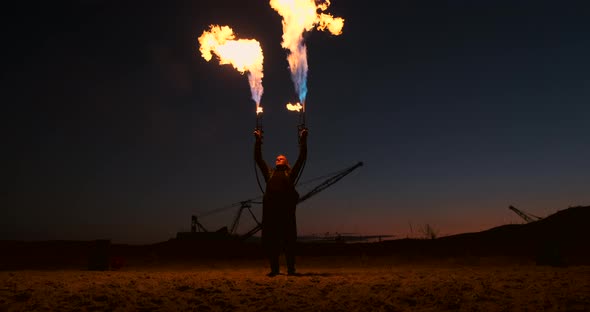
(290,263)
(273,259)
(290,256)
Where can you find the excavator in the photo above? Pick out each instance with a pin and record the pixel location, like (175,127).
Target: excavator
(525,215)
(198,231)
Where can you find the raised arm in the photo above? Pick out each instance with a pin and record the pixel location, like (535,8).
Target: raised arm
(258,155)
(301,157)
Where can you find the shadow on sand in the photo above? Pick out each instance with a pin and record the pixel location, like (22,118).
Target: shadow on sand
(308,274)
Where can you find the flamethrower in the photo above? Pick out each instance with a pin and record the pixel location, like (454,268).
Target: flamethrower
(259,118)
(258,128)
(300,128)
(298,107)
(301,125)
(258,122)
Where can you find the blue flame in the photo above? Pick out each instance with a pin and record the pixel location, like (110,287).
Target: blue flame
(300,80)
(299,73)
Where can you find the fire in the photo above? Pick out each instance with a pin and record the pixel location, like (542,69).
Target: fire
(294,107)
(300,16)
(243,54)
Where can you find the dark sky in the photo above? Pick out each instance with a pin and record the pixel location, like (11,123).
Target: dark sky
(119,129)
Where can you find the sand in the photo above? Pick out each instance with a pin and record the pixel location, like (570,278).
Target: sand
(324,284)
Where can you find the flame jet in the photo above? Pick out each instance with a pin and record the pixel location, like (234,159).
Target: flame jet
(300,16)
(243,54)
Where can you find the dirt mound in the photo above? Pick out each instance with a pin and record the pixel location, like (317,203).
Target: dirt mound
(557,240)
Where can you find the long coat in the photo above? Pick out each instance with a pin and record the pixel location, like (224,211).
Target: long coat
(279,224)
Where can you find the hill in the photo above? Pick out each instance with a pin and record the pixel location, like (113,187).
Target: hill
(559,239)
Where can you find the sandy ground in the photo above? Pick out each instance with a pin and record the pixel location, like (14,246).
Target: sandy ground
(322,286)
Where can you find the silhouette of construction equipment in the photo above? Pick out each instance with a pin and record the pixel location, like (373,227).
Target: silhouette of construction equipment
(343,238)
(198,231)
(526,216)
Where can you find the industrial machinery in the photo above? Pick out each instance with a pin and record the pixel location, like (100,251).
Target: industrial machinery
(526,216)
(198,231)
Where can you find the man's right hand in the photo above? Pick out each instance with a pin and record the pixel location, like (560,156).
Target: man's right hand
(303,134)
(258,134)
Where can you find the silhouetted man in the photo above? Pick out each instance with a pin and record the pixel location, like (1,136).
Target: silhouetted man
(279,226)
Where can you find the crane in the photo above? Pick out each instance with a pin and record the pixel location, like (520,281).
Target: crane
(322,186)
(526,216)
(196,226)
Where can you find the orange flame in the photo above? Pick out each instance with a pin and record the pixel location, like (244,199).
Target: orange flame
(294,107)
(242,54)
(300,16)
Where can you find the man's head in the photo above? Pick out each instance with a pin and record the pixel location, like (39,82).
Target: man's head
(281,161)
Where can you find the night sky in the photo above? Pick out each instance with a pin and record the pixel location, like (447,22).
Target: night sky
(118,128)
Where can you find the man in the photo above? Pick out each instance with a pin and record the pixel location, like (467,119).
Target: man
(279,226)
